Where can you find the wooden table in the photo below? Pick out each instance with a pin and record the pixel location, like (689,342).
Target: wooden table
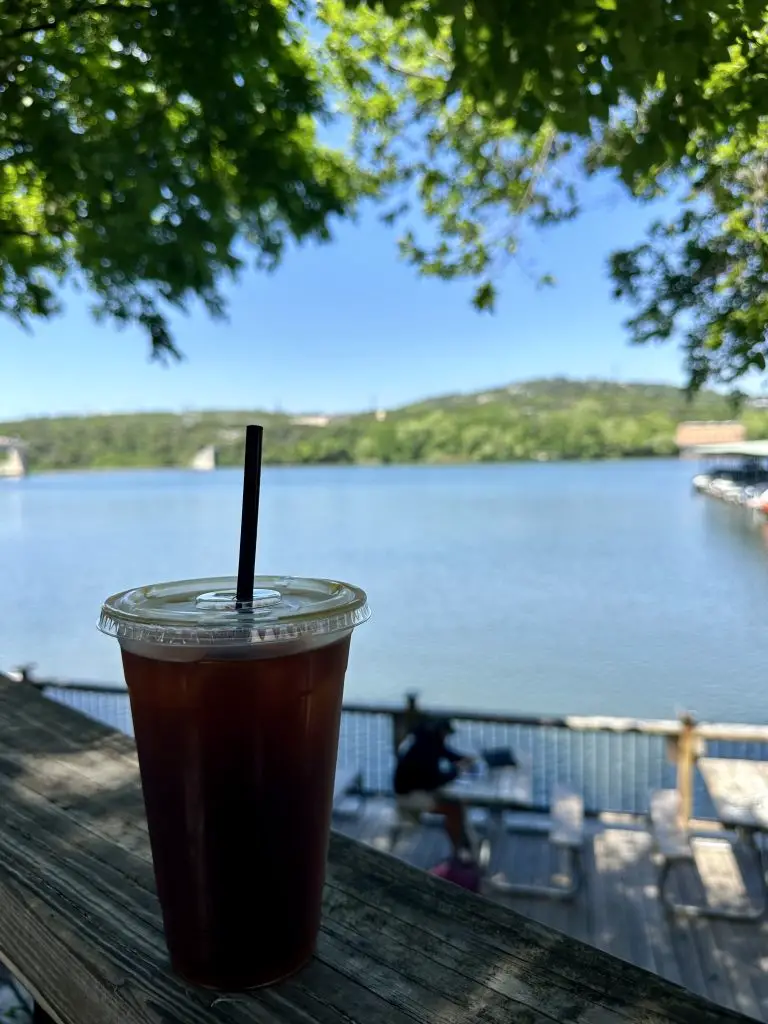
(499,789)
(739,791)
(511,789)
(80,926)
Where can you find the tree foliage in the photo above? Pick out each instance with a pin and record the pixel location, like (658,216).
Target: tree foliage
(488,116)
(140,141)
(705,272)
(438,150)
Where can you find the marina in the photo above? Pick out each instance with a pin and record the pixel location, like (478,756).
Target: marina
(735,472)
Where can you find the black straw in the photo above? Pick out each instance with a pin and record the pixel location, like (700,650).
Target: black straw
(249,523)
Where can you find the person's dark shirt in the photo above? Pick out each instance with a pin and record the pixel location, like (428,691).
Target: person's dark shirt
(418,764)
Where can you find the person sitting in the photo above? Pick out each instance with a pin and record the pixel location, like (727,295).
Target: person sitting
(424,765)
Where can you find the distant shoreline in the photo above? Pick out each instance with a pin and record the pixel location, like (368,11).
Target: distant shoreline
(97,470)
(541,421)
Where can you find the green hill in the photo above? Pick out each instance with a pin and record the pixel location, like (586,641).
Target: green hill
(540,419)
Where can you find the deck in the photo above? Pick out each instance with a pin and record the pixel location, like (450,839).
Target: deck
(81,925)
(618,909)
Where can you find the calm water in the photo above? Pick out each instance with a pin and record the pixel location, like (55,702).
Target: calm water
(596,588)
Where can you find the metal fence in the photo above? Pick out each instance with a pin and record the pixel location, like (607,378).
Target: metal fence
(106,705)
(613,771)
(614,763)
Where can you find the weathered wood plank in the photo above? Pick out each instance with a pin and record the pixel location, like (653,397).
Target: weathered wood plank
(749,945)
(81,928)
(670,945)
(658,926)
(671,941)
(536,956)
(722,879)
(629,848)
(519,858)
(619,925)
(533,860)
(574,916)
(683,935)
(716,978)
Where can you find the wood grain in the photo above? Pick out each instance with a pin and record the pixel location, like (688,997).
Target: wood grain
(618,908)
(81,927)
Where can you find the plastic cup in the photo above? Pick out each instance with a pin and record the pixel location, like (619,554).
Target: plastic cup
(236,714)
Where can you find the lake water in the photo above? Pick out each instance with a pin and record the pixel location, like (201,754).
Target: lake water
(602,588)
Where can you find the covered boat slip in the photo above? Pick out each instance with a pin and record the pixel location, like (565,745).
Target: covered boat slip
(734,449)
(735,471)
(81,929)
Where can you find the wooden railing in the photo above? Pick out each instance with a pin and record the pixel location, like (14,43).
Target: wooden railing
(614,762)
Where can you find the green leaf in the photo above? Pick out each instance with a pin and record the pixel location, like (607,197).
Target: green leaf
(484,298)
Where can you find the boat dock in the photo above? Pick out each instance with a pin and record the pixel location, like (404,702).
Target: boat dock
(736,472)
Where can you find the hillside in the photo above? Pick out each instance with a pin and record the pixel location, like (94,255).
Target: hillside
(541,419)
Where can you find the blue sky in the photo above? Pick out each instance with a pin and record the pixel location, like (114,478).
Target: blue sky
(347,326)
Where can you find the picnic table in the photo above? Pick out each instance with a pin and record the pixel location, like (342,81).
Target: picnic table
(511,789)
(499,789)
(80,924)
(739,792)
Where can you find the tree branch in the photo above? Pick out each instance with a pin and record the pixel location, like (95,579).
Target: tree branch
(74,12)
(398,70)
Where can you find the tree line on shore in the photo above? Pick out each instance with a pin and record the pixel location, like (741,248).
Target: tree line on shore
(541,420)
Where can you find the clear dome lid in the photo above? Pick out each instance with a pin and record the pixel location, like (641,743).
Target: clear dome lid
(204,613)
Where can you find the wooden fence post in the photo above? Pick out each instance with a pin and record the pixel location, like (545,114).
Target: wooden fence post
(687,749)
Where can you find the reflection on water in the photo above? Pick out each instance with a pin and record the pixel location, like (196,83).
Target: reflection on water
(605,588)
(11,506)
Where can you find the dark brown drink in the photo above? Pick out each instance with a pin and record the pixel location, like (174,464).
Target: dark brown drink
(237,765)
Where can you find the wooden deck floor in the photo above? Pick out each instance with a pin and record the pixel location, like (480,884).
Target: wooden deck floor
(618,909)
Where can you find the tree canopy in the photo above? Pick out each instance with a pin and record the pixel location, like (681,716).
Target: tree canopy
(486,117)
(143,140)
